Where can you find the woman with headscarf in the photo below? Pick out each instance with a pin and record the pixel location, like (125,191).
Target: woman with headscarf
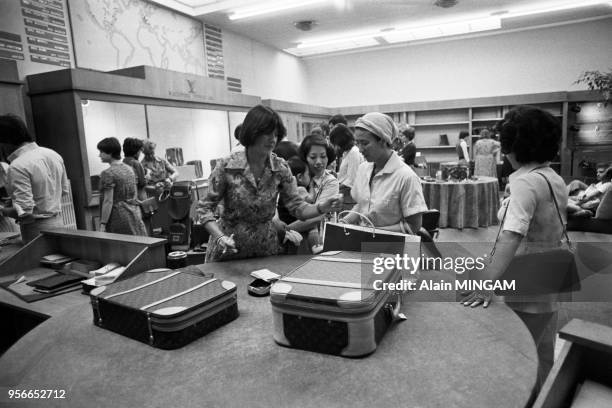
(485,155)
(386,189)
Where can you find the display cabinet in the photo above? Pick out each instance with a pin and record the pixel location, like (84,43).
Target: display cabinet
(75,108)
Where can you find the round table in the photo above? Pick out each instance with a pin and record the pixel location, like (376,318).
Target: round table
(443,355)
(468,203)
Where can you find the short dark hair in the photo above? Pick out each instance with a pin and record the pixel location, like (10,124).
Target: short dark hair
(13,130)
(286,149)
(532,134)
(261,120)
(316,140)
(342,137)
(297,165)
(131,146)
(110,145)
(336,119)
(237,132)
(408,132)
(607,176)
(463,134)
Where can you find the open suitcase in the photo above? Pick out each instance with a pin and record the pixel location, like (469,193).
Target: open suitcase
(165,308)
(329,305)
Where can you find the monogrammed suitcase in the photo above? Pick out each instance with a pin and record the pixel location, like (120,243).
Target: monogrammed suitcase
(165,308)
(330,305)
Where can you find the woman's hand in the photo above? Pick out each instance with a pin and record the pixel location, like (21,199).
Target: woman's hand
(102,227)
(477,298)
(332,204)
(226,244)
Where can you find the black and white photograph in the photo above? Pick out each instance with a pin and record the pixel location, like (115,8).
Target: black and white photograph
(306,203)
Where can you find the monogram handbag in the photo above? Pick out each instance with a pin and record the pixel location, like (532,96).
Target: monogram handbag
(340,236)
(542,273)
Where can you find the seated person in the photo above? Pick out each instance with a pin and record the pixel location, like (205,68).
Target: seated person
(158,172)
(386,189)
(584,200)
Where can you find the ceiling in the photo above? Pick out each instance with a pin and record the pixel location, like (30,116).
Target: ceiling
(379,23)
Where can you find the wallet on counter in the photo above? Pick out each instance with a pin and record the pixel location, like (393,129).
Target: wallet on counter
(55,283)
(54,260)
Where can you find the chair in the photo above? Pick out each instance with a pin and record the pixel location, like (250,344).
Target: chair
(601,223)
(429,231)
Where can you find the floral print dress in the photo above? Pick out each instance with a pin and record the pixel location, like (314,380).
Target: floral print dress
(248,205)
(125,217)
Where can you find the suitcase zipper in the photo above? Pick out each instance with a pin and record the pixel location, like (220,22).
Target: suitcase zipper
(156,324)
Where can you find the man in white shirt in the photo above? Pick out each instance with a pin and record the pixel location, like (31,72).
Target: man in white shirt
(36,179)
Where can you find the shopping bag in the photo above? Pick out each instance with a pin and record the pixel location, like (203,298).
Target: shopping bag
(340,236)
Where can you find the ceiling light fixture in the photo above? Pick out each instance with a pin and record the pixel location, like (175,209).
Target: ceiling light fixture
(432,29)
(552,6)
(270,8)
(404,34)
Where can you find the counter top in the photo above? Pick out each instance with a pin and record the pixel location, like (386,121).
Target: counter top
(443,355)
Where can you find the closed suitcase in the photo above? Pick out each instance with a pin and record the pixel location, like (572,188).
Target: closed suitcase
(165,308)
(328,305)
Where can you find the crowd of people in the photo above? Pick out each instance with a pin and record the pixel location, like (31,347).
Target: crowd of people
(273,195)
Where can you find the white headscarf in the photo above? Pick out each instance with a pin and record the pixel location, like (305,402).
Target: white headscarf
(378,124)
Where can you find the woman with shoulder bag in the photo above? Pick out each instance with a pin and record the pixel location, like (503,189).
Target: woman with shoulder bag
(532,221)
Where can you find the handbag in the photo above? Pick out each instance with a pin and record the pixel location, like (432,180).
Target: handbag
(542,273)
(148,207)
(339,236)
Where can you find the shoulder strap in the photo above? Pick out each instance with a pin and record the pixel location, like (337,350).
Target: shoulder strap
(552,194)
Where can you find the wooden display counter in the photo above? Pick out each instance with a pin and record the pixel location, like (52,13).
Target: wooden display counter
(582,374)
(138,254)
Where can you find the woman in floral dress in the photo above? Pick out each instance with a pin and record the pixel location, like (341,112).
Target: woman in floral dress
(248,184)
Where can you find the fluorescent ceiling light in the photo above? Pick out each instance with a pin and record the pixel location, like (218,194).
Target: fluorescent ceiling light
(270,8)
(551,7)
(431,30)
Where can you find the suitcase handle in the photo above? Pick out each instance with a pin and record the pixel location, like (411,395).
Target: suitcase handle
(360,216)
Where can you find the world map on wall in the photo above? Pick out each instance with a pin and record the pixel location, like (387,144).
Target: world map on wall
(115,34)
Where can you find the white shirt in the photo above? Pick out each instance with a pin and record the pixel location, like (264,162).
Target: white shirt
(395,193)
(351,159)
(532,214)
(36,180)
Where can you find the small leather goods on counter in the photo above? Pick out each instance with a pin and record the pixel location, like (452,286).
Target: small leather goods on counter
(330,305)
(165,308)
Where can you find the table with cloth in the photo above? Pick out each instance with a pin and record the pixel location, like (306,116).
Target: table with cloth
(467,203)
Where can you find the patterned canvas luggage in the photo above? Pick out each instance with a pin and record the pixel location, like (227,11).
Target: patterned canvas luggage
(329,305)
(165,308)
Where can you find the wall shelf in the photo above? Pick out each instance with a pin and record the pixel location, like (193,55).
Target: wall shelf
(435,147)
(441,124)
